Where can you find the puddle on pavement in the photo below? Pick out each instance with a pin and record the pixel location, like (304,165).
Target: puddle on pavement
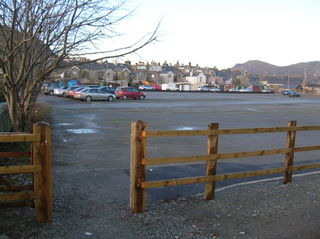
(255,110)
(82,131)
(65,124)
(185,128)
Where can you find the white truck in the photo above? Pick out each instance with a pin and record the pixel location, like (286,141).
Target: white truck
(169,86)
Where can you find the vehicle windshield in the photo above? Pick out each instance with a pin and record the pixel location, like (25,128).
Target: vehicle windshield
(84,90)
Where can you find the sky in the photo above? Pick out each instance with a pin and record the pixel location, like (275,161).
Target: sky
(223,33)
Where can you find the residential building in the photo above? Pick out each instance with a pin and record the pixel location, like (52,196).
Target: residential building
(166,77)
(196,78)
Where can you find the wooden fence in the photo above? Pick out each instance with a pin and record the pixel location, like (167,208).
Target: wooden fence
(39,192)
(139,160)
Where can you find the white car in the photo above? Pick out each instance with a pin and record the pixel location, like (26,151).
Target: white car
(145,87)
(60,91)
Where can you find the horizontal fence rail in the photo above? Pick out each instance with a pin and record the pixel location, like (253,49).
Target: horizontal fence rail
(177,133)
(18,137)
(139,161)
(39,192)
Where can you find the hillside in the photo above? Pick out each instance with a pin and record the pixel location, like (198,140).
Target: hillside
(295,70)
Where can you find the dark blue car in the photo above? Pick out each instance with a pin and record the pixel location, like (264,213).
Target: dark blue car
(294,94)
(286,92)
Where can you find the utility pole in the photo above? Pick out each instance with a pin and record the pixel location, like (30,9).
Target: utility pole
(288,82)
(304,82)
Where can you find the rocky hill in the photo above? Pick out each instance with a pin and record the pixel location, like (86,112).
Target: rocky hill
(295,70)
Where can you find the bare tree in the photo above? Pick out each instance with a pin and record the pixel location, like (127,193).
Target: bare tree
(37,35)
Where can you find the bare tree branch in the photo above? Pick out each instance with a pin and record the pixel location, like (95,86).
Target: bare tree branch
(37,35)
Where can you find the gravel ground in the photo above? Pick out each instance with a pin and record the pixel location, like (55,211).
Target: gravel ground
(260,210)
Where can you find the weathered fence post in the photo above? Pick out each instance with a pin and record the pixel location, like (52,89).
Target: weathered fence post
(137,169)
(291,139)
(37,179)
(41,155)
(211,165)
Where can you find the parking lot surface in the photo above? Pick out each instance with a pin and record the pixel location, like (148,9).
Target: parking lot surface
(95,136)
(91,149)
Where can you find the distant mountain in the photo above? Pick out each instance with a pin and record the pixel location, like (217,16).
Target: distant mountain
(296,70)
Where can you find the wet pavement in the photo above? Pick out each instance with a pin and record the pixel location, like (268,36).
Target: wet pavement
(91,141)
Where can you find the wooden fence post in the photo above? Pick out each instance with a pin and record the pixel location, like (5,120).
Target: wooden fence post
(291,139)
(46,170)
(137,170)
(43,180)
(37,179)
(211,165)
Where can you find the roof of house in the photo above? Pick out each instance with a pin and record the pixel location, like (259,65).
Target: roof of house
(173,69)
(194,74)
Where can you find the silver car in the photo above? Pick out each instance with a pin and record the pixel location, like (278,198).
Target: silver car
(89,94)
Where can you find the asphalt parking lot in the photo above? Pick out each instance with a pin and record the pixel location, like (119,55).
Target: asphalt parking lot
(91,141)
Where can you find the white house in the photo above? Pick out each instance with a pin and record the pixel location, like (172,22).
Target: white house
(196,78)
(108,75)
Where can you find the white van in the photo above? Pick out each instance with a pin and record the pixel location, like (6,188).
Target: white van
(169,86)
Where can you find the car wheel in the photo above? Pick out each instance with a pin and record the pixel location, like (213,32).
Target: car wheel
(51,92)
(110,98)
(125,97)
(141,97)
(88,99)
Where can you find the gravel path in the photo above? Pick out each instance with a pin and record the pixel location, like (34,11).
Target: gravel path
(261,210)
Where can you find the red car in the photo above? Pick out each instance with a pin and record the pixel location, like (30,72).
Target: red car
(126,92)
(72,90)
(156,87)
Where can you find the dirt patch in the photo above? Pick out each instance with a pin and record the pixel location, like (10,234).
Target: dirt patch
(262,210)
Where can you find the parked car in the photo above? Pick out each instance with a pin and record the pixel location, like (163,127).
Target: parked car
(71,92)
(294,94)
(145,87)
(169,87)
(245,90)
(214,89)
(286,92)
(60,91)
(156,87)
(92,86)
(202,88)
(89,94)
(48,89)
(66,92)
(126,92)
(107,89)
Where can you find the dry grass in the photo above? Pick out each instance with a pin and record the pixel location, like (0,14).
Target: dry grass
(40,113)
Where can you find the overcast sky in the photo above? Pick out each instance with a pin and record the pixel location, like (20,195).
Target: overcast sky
(225,32)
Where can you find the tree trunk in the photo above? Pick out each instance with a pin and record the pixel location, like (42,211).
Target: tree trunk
(20,110)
